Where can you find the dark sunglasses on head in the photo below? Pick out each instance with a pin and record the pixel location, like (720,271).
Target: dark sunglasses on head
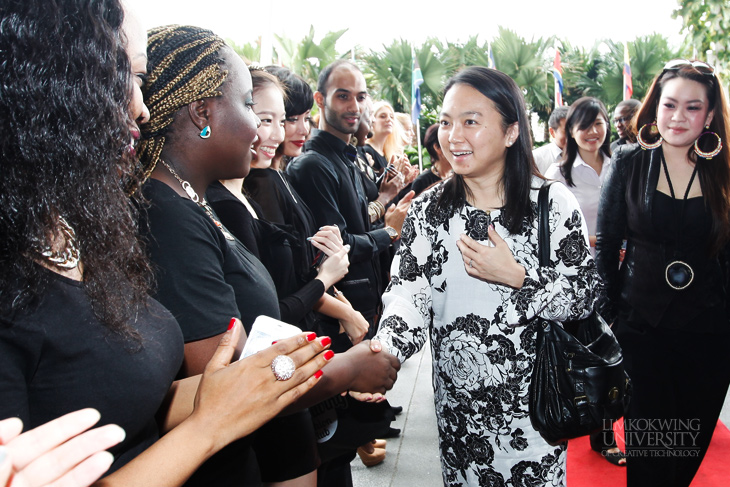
(700,66)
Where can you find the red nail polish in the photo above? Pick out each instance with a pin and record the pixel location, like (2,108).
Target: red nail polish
(318,374)
(328,355)
(326,341)
(274,342)
(311,337)
(231,324)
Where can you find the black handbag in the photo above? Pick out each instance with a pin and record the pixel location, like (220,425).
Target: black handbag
(578,383)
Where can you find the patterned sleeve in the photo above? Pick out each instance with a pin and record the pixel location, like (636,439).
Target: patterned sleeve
(407,301)
(570,287)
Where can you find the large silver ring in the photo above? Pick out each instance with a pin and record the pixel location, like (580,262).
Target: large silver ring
(283,367)
(471,262)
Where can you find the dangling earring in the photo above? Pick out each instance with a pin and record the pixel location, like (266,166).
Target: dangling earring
(712,153)
(653,130)
(205,133)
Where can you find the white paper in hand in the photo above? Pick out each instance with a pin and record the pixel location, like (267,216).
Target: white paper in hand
(266,330)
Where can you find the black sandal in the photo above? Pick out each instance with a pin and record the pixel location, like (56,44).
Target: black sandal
(613,458)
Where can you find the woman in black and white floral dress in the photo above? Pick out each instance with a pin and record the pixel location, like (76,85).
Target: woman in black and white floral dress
(467,273)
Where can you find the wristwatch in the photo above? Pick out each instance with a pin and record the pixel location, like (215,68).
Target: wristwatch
(392,233)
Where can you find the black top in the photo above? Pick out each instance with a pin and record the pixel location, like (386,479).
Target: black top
(617,143)
(379,161)
(202,278)
(424,181)
(276,250)
(56,357)
(631,208)
(368,175)
(240,223)
(329,183)
(280,204)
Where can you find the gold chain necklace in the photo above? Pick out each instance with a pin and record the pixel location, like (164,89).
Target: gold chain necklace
(186,186)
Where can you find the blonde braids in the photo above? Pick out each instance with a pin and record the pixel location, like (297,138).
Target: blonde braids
(184,67)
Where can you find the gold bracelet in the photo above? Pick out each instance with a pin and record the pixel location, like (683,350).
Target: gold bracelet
(376,210)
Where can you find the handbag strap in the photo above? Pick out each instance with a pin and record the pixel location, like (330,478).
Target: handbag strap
(543,224)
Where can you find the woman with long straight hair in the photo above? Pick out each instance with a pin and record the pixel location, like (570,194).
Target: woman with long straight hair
(586,156)
(467,275)
(669,197)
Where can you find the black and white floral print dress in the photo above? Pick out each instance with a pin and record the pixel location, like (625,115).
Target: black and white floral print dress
(483,334)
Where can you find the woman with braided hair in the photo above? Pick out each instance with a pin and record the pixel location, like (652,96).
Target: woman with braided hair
(201,130)
(77,329)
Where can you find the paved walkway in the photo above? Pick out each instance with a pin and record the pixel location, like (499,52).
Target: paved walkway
(413,458)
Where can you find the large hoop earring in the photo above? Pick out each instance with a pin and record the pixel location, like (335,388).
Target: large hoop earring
(653,130)
(205,133)
(712,153)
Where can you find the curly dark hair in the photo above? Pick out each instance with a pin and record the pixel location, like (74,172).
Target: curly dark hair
(64,97)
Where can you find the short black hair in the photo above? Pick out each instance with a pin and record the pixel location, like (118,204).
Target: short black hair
(631,104)
(324,75)
(299,97)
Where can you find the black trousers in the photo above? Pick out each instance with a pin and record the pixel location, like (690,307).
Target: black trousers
(680,380)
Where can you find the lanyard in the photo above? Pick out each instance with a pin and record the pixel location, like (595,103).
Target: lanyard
(684,200)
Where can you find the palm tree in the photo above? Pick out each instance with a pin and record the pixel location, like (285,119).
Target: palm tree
(307,57)
(250,52)
(648,56)
(526,63)
(389,74)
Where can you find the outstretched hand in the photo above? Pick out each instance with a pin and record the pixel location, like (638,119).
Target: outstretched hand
(377,370)
(494,264)
(61,452)
(375,347)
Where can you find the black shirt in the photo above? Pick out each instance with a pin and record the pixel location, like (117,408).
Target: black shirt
(379,161)
(57,357)
(329,183)
(202,278)
(276,249)
(424,181)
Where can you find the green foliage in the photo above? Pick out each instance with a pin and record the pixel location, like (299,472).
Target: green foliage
(307,57)
(706,24)
(595,71)
(251,51)
(389,74)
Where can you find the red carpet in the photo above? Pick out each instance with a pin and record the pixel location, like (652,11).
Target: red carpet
(587,468)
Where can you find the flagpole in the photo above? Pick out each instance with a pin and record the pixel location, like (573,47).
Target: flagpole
(628,83)
(416,80)
(418,138)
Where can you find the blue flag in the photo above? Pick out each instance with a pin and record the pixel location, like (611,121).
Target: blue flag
(416,91)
